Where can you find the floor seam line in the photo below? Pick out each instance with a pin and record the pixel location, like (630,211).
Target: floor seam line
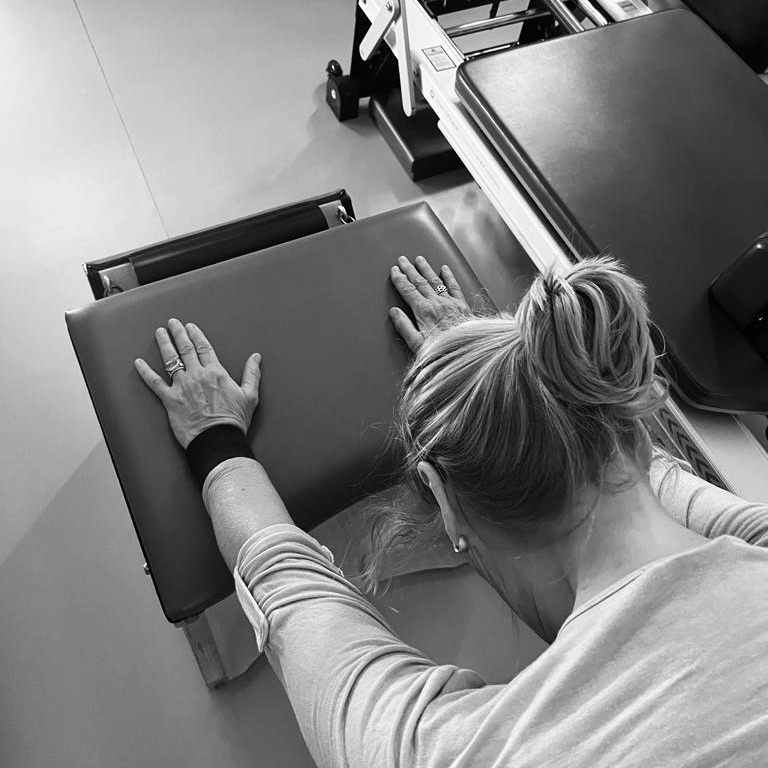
(122,120)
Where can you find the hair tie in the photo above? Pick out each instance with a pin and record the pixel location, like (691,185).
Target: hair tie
(553,285)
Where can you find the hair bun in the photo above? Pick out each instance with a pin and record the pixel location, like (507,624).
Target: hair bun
(587,337)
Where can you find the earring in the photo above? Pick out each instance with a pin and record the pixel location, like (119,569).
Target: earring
(461,545)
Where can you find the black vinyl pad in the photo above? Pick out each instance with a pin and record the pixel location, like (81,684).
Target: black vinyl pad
(316,309)
(743,24)
(648,139)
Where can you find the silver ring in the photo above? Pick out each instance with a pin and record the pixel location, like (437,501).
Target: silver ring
(440,288)
(174,366)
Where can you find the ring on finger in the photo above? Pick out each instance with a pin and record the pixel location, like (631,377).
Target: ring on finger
(439,288)
(173,366)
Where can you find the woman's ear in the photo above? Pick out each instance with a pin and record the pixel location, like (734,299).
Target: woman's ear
(430,477)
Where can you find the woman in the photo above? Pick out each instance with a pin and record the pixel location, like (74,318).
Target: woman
(525,434)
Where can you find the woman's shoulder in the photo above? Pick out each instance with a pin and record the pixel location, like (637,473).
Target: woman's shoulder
(725,565)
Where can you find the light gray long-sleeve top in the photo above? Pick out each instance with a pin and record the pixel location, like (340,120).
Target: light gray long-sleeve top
(667,667)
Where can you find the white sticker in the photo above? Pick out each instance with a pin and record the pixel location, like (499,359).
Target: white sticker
(438,58)
(626,9)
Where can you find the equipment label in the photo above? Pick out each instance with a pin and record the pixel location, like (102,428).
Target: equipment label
(438,58)
(626,9)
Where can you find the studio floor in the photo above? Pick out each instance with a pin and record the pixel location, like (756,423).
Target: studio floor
(121,124)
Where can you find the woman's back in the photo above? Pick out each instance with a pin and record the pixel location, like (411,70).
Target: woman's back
(667,667)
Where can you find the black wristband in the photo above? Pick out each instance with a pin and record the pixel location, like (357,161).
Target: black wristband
(214,445)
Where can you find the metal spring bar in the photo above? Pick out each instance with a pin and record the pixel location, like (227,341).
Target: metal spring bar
(592,13)
(483,25)
(556,7)
(472,55)
(564,15)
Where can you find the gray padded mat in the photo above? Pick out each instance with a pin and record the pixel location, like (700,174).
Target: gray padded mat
(316,308)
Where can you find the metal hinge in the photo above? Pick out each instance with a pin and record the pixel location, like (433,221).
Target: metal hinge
(343,216)
(118,279)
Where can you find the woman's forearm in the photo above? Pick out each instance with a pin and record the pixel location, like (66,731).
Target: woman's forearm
(241,501)
(704,508)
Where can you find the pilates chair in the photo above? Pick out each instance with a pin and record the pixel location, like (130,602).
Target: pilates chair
(332,364)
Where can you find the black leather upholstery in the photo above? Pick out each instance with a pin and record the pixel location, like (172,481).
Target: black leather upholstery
(743,24)
(648,138)
(316,309)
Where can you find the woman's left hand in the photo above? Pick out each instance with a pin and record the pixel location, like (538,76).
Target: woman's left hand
(436,301)
(202,394)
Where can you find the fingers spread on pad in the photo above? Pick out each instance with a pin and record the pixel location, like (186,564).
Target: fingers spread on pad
(168,352)
(155,382)
(183,343)
(452,284)
(410,293)
(421,283)
(205,351)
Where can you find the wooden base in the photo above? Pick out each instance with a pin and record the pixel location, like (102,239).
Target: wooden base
(203,644)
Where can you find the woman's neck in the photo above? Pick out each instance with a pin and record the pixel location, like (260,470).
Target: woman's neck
(625,530)
(615,534)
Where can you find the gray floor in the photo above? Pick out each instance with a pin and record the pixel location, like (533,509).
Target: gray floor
(122,123)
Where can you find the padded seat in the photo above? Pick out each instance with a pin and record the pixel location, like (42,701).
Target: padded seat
(648,139)
(316,308)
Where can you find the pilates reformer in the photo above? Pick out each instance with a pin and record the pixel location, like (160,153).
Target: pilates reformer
(622,126)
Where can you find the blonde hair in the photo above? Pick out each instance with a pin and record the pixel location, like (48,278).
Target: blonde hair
(520,411)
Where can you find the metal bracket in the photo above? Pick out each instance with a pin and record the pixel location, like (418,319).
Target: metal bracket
(343,216)
(118,279)
(335,214)
(379,28)
(392,17)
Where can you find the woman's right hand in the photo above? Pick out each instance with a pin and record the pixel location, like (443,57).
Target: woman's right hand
(433,310)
